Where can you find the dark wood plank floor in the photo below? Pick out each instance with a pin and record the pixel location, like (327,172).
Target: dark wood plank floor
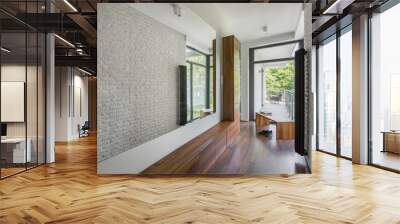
(250,154)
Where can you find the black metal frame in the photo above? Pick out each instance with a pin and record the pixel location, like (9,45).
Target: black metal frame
(334,37)
(252,62)
(208,80)
(29,29)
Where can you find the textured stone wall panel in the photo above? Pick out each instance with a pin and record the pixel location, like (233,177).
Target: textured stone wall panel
(138,60)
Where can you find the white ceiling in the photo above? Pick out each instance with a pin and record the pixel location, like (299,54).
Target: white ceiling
(278,52)
(198,33)
(245,20)
(200,21)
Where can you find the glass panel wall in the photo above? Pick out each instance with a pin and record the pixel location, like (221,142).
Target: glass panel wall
(385,89)
(346,93)
(31,98)
(14,153)
(327,96)
(22,88)
(41,97)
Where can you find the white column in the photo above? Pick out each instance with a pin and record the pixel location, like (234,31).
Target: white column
(50,91)
(360,90)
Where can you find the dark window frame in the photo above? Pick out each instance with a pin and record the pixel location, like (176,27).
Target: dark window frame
(208,67)
(334,37)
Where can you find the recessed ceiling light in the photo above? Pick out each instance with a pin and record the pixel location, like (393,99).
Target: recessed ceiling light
(84,71)
(64,40)
(5,50)
(326,11)
(70,5)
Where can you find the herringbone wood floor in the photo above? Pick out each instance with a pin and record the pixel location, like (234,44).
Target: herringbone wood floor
(69,191)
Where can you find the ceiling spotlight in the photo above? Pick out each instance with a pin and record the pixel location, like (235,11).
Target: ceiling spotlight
(5,50)
(264,29)
(79,51)
(70,5)
(176,9)
(64,40)
(84,71)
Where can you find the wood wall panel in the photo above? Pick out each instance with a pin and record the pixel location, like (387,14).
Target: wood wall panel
(231,77)
(231,85)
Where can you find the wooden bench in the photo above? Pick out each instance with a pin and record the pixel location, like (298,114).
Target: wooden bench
(284,128)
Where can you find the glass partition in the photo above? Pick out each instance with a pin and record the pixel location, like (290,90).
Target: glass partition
(15,149)
(31,98)
(22,101)
(327,96)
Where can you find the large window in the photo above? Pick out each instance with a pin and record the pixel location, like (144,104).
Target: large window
(334,99)
(327,96)
(385,89)
(346,93)
(199,71)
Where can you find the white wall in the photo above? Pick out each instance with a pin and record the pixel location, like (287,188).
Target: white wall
(79,118)
(66,121)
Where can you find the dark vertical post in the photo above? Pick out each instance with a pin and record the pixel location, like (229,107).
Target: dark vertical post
(251,84)
(369,90)
(208,82)
(338,118)
(26,86)
(317,96)
(191,91)
(299,101)
(182,95)
(37,90)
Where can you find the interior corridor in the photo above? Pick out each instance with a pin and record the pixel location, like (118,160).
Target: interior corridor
(249,154)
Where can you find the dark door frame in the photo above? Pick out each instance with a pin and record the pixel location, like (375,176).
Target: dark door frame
(252,62)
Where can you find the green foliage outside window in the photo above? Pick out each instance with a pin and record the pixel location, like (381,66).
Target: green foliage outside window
(279,79)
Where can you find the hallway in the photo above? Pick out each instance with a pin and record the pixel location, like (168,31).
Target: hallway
(70,191)
(250,154)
